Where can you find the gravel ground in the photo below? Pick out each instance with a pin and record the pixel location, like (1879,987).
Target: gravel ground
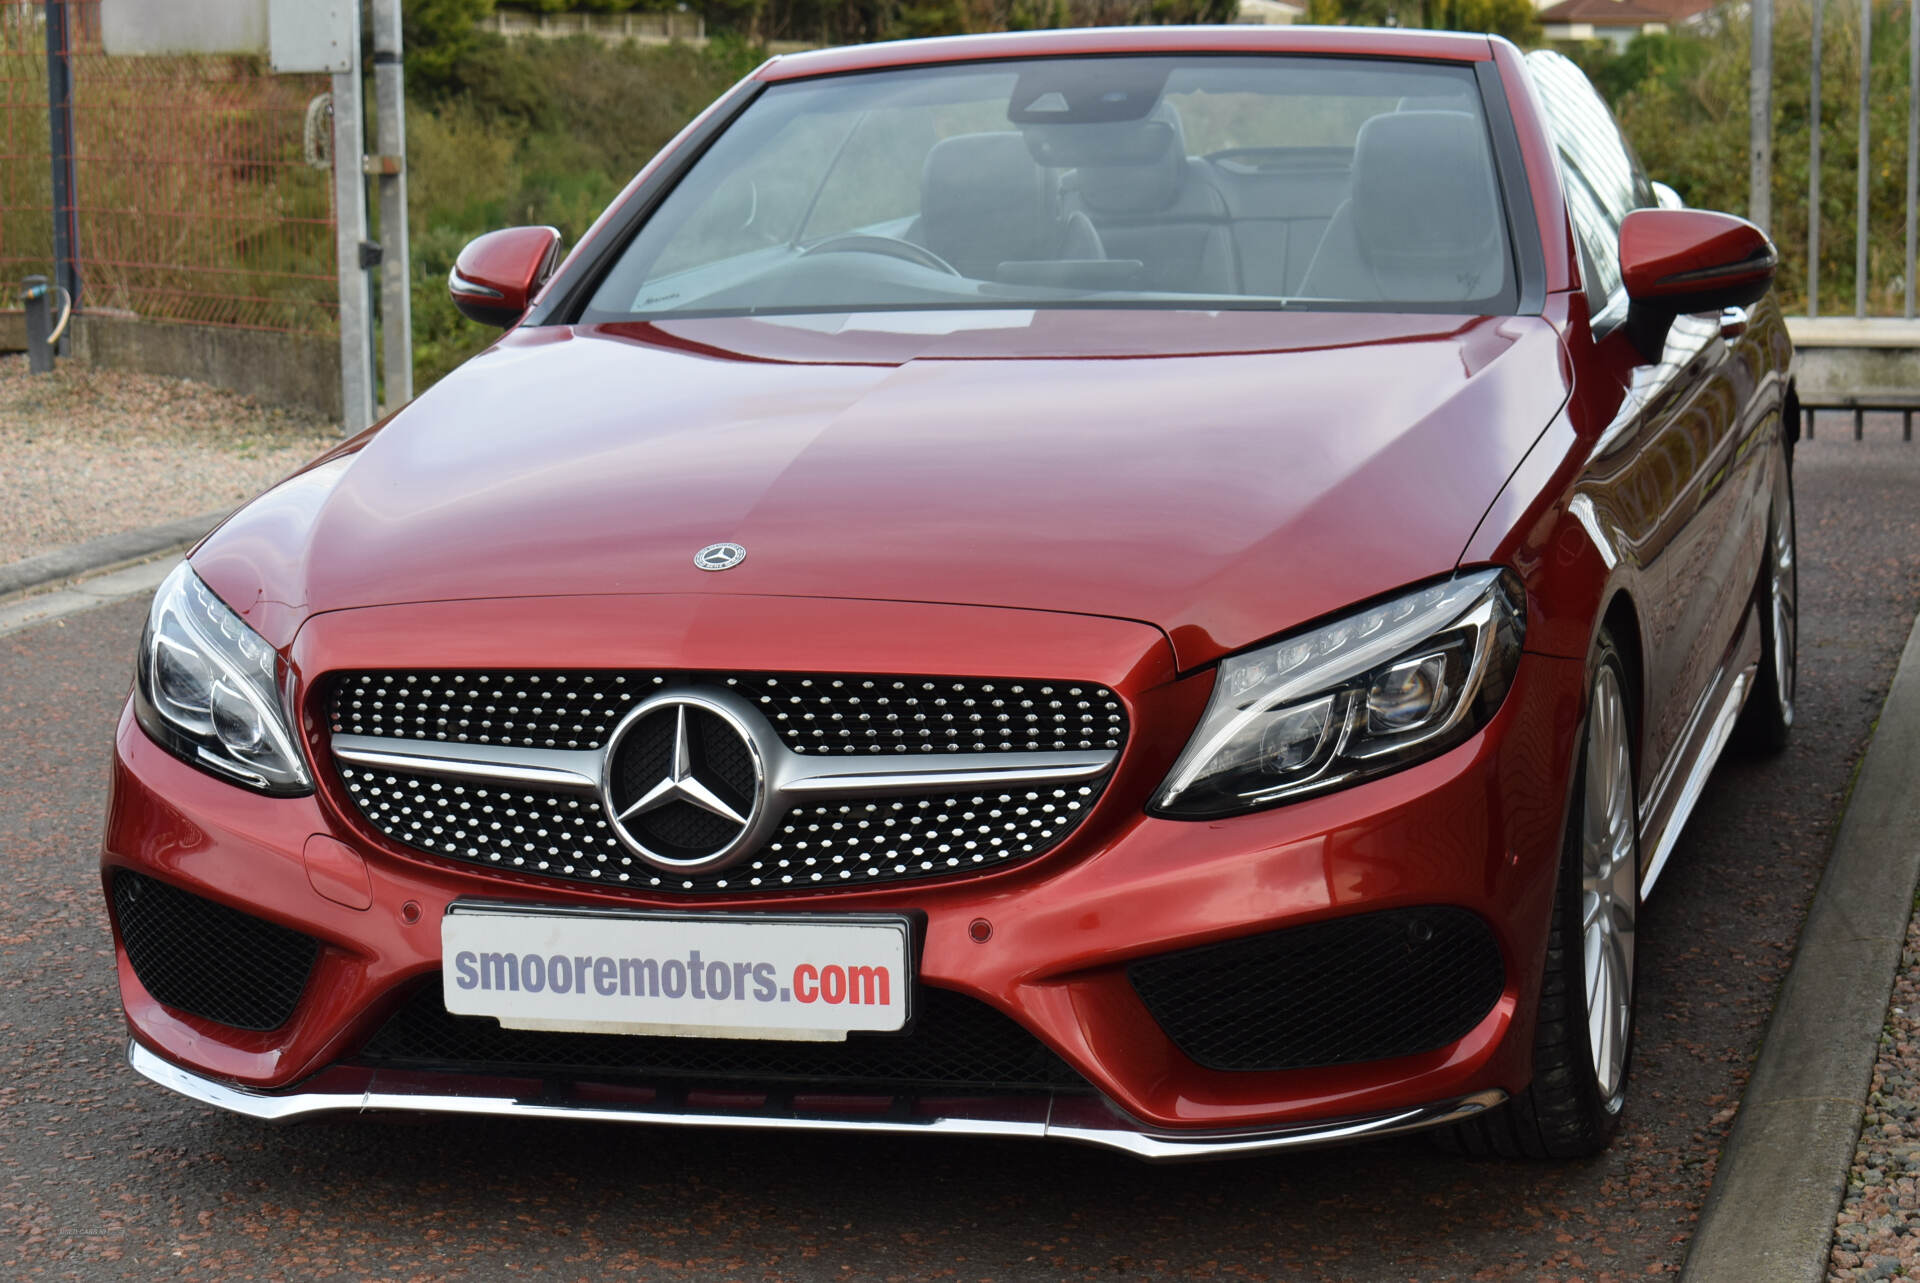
(87,452)
(1878,1234)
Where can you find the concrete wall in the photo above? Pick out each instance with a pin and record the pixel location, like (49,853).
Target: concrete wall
(280,369)
(1840,356)
(1830,373)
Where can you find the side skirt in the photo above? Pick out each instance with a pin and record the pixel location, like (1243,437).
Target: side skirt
(1679,785)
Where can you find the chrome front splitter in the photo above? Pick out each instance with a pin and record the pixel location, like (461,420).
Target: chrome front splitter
(1080,1119)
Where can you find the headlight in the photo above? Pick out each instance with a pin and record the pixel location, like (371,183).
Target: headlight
(208,690)
(1373,692)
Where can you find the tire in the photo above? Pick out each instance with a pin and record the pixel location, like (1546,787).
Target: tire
(1572,1107)
(1767,721)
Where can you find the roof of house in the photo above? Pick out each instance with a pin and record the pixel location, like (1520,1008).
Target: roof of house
(1623,13)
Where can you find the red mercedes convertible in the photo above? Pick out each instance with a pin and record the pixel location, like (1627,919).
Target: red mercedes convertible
(1172,588)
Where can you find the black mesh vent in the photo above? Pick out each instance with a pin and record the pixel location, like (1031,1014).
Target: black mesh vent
(208,960)
(817,713)
(821,846)
(954,1043)
(1369,987)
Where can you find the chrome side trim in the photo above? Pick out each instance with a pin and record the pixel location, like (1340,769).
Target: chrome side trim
(1020,1117)
(458,284)
(1660,829)
(551,768)
(789,774)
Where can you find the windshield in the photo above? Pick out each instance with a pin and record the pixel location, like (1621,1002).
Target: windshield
(1177,182)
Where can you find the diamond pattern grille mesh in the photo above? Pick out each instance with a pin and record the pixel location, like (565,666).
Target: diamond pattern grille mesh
(821,846)
(813,713)
(1368,987)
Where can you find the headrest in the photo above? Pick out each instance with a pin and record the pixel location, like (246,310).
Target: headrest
(983,201)
(1131,167)
(1423,194)
(1435,102)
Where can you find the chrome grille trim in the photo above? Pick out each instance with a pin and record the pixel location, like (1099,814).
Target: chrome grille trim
(789,774)
(544,767)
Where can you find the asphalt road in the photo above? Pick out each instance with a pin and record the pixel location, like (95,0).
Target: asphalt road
(103,1176)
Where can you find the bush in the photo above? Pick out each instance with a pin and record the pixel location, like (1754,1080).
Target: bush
(491,145)
(1682,99)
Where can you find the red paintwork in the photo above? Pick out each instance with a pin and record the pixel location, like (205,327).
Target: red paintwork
(994,466)
(515,261)
(1543,169)
(1111,496)
(1666,253)
(338,872)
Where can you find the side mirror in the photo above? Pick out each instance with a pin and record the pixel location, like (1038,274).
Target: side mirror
(497,275)
(1691,260)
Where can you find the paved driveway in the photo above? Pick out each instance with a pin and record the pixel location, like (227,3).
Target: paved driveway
(104,1177)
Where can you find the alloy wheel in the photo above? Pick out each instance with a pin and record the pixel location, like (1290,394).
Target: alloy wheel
(1609,870)
(1784,592)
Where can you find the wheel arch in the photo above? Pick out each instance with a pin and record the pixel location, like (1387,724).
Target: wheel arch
(1621,620)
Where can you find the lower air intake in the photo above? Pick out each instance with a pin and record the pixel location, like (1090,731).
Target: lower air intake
(1369,987)
(953,1044)
(208,960)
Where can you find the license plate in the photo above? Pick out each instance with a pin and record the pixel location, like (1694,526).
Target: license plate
(797,977)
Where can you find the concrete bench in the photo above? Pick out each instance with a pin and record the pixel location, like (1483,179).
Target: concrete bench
(1858,364)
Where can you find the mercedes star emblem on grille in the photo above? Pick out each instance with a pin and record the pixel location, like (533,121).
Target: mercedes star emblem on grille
(685,781)
(720,556)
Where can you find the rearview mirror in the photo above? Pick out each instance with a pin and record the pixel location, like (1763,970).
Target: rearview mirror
(498,274)
(1692,260)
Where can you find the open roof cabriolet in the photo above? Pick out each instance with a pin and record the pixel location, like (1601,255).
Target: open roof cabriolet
(1171,588)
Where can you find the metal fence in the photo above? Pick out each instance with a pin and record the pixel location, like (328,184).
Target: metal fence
(1870,27)
(191,194)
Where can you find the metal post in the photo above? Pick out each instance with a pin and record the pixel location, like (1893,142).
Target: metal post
(1913,152)
(396,292)
(1813,168)
(1862,164)
(60,146)
(1760,118)
(350,232)
(33,298)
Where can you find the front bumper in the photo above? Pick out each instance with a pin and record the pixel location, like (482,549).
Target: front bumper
(1032,1119)
(1478,828)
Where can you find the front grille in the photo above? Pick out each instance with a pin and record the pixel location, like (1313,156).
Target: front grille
(813,713)
(954,1044)
(1368,987)
(208,960)
(823,845)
